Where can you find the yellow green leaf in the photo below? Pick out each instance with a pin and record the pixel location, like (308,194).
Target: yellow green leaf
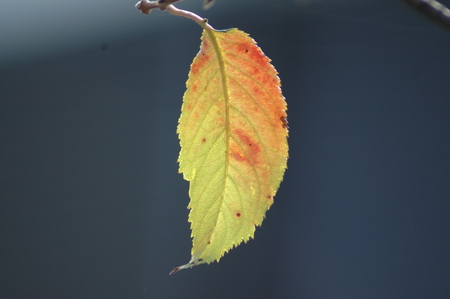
(233,137)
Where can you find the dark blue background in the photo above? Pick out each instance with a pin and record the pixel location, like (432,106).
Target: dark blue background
(92,205)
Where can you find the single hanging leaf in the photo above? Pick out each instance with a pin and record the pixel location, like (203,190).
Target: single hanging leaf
(233,136)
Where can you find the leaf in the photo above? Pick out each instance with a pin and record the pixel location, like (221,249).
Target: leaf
(233,136)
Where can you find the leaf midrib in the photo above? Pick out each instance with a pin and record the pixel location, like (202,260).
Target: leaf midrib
(212,36)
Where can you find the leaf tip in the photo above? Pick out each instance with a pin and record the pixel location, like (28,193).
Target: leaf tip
(193,262)
(175,270)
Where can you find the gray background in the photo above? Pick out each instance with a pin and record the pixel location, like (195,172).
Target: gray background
(91,202)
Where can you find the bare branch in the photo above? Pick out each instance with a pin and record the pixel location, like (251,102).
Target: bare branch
(146,7)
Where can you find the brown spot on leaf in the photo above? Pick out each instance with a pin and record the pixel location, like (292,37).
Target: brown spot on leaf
(254,53)
(195,67)
(238,156)
(203,140)
(257,90)
(255,70)
(284,122)
(238,214)
(202,58)
(249,154)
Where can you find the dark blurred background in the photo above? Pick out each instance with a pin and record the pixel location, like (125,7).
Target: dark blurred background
(91,202)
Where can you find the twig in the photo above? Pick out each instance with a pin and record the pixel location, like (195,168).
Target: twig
(146,7)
